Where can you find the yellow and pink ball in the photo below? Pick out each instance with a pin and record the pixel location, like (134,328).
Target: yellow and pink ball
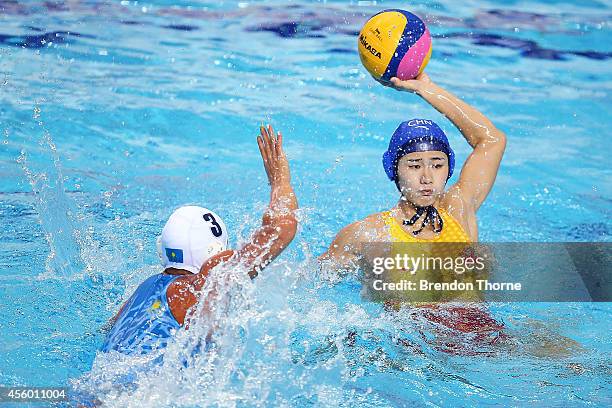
(394,43)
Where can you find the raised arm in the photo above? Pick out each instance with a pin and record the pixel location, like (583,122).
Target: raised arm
(277,229)
(480,169)
(279,224)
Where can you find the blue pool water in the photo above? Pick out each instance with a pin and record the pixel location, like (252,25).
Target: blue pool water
(115,113)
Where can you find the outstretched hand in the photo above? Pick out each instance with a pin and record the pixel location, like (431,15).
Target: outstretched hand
(275,161)
(411,85)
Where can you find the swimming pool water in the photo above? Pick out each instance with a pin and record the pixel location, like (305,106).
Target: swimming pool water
(115,113)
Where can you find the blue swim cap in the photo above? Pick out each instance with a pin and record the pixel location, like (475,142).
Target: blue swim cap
(416,135)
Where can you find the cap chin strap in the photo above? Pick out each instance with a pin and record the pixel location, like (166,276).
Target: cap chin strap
(432,217)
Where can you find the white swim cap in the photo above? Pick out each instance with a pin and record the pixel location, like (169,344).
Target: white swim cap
(191,235)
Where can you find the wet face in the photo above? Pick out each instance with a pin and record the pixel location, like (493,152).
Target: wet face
(422,176)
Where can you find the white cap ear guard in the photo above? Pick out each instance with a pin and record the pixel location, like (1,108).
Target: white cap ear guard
(191,235)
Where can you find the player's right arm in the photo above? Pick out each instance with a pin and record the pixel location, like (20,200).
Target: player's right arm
(488,142)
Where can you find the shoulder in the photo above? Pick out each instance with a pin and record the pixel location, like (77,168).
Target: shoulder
(462,210)
(376,222)
(369,223)
(181,292)
(346,247)
(454,201)
(197,280)
(364,230)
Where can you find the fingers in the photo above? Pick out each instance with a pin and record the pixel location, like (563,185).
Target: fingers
(409,85)
(398,83)
(265,137)
(262,149)
(264,155)
(271,134)
(271,143)
(274,139)
(271,149)
(261,141)
(266,148)
(279,145)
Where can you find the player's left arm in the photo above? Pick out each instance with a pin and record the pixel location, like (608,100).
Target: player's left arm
(278,228)
(279,222)
(480,169)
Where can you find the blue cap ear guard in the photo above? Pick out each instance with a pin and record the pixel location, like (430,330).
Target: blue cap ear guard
(416,135)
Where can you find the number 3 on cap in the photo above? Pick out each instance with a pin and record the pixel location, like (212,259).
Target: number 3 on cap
(216,228)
